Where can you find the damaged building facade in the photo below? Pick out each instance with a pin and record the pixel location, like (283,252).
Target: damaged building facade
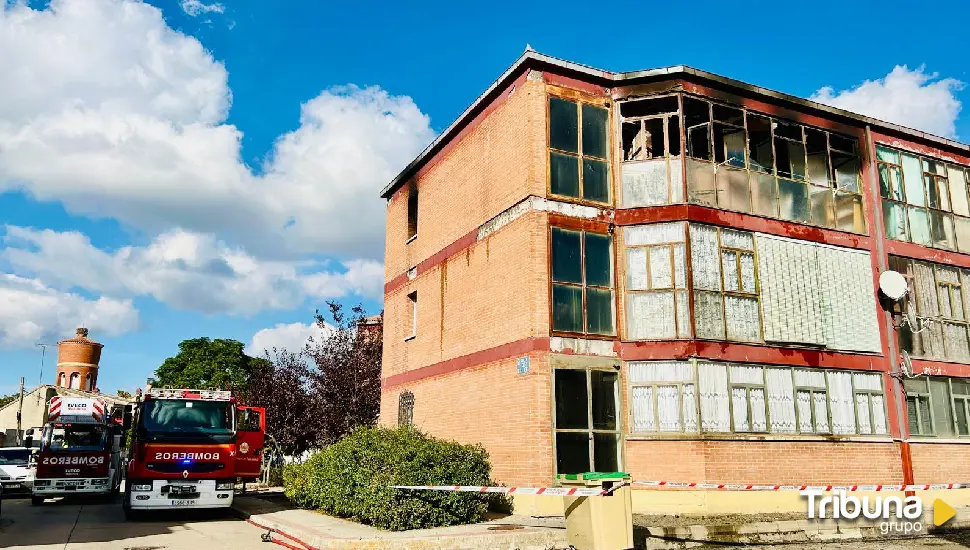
(676,275)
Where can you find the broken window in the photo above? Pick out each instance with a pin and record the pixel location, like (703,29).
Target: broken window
(651,147)
(657,304)
(667,397)
(413,314)
(924,201)
(578,150)
(582,289)
(586,422)
(697,128)
(941,311)
(412,210)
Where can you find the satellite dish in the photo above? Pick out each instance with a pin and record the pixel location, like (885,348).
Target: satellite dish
(893,285)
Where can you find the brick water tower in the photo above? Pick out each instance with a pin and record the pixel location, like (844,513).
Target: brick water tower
(77,362)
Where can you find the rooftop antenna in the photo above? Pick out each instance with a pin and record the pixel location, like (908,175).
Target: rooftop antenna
(43,352)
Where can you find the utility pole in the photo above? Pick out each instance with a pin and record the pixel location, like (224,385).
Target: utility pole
(20,410)
(43,352)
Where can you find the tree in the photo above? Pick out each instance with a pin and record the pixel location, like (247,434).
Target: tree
(124,395)
(282,384)
(347,379)
(4,399)
(203,363)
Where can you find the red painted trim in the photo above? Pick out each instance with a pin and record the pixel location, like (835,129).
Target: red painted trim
(772,109)
(573,83)
(436,259)
(737,220)
(569,222)
(940,368)
(471,360)
(919,148)
(920,252)
(748,353)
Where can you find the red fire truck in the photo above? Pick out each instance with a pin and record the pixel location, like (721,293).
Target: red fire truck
(189,447)
(80,450)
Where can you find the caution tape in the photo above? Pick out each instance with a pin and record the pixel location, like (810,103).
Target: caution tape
(590,491)
(547,491)
(823,488)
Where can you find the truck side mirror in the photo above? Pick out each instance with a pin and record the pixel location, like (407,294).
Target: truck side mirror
(126,422)
(29,438)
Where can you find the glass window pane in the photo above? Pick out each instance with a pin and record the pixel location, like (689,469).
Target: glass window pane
(934,167)
(700,183)
(925,418)
(598,260)
(887,155)
(599,311)
(961,417)
(567,262)
(636,269)
(732,189)
(890,182)
(818,157)
(572,407)
(661,272)
(729,265)
(894,220)
(823,206)
(960,386)
(958,191)
(793,201)
(936,188)
(759,143)
(604,399)
(913,180)
(567,308)
(594,131)
(942,410)
(563,125)
(572,452)
(941,230)
(729,144)
(564,175)
(764,194)
(919,226)
(596,183)
(911,415)
(606,452)
(748,282)
(849,214)
(961,230)
(846,171)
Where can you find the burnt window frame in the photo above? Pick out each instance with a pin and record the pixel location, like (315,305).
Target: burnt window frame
(579,154)
(583,285)
(834,188)
(673,136)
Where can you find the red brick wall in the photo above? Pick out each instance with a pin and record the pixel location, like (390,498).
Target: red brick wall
(508,413)
(940,462)
(782,462)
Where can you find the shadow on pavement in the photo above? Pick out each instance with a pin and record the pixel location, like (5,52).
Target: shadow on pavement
(87,520)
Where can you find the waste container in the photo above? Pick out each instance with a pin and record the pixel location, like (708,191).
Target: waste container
(599,522)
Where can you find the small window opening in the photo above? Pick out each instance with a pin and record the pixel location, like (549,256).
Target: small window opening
(413,313)
(412,211)
(405,409)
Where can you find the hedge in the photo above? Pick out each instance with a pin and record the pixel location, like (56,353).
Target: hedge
(353,477)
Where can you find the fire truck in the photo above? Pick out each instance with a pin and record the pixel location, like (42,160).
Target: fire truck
(188,447)
(80,450)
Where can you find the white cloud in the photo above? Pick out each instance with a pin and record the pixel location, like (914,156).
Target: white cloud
(292,337)
(196,7)
(185,270)
(117,115)
(907,97)
(33,312)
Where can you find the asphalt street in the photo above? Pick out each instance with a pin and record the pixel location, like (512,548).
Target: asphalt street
(89,523)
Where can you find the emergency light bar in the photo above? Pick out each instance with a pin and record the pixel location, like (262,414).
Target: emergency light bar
(208,395)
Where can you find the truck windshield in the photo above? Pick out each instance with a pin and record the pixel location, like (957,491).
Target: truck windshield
(75,437)
(10,457)
(184,416)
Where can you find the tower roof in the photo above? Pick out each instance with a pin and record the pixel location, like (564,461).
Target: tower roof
(81,338)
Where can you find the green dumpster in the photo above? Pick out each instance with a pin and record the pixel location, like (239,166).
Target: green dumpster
(599,522)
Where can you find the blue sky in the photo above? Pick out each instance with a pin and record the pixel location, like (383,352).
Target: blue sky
(184,168)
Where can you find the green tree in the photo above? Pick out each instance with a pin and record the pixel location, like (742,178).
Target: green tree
(4,399)
(124,395)
(203,363)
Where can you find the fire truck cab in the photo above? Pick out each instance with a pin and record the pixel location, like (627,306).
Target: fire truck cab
(188,448)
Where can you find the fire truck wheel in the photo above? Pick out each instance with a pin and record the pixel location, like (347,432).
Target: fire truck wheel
(36,501)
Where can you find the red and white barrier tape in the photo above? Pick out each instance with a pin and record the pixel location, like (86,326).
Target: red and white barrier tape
(847,488)
(549,491)
(589,491)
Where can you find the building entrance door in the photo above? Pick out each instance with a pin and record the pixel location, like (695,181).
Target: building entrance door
(587,431)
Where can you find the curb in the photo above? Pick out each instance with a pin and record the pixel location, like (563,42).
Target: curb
(274,530)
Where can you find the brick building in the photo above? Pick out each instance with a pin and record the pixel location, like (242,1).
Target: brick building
(675,274)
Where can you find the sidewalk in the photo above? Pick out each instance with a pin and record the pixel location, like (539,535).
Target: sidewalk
(306,530)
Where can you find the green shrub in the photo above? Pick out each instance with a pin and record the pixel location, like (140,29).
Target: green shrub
(353,477)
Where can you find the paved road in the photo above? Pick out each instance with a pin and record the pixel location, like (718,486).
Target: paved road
(87,524)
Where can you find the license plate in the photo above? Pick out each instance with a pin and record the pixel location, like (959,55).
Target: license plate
(73,483)
(183,502)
